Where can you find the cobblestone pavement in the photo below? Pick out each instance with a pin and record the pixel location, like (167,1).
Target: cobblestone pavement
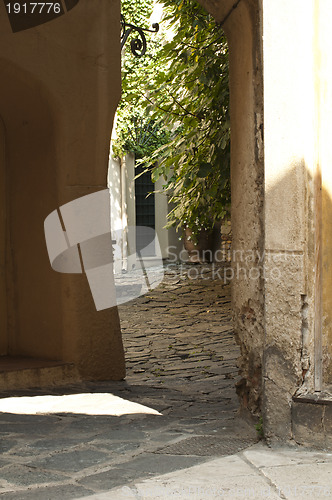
(182,330)
(181,361)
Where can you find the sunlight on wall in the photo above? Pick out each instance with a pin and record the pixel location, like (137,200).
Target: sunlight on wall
(325,97)
(288,93)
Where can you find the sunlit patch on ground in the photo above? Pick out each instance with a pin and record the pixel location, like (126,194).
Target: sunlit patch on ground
(87,404)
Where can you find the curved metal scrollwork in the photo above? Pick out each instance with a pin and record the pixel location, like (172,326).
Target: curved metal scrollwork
(137,44)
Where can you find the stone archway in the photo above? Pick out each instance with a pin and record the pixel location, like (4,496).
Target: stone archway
(59,89)
(241,21)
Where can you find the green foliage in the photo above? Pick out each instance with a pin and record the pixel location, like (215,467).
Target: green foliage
(137,12)
(259,428)
(137,132)
(190,96)
(179,116)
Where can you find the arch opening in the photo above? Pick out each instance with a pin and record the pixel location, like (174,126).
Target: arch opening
(31,323)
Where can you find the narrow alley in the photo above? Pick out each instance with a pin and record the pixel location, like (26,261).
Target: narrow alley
(181,362)
(179,337)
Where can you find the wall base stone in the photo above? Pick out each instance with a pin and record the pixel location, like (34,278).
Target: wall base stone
(312,420)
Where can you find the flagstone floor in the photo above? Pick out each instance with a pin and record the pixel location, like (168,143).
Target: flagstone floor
(181,364)
(181,332)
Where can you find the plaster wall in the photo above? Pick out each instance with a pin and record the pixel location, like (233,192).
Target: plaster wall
(243,31)
(273,203)
(281,199)
(121,175)
(129,205)
(118,225)
(247,182)
(290,170)
(323,89)
(59,88)
(3,294)
(161,211)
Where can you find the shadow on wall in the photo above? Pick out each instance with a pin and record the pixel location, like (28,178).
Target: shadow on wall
(327,286)
(285,358)
(298,290)
(29,180)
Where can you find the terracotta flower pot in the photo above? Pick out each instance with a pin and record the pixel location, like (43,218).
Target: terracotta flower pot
(201,250)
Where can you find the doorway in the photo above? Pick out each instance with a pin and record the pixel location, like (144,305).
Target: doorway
(145,212)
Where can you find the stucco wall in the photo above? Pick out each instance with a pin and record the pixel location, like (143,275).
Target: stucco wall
(323,88)
(242,29)
(3,299)
(288,110)
(281,199)
(59,88)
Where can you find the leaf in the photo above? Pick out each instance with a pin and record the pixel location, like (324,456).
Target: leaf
(175,110)
(204,169)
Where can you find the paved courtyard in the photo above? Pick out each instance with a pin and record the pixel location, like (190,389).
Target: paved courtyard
(180,334)
(181,375)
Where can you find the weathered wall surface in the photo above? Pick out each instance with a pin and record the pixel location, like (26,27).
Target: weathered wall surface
(247,180)
(290,170)
(281,201)
(323,48)
(59,88)
(242,28)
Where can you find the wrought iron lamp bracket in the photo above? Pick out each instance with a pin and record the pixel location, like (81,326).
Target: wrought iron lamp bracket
(137,44)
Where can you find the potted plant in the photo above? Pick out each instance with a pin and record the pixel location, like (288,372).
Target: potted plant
(199,205)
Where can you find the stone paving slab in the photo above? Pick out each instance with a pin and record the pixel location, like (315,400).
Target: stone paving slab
(181,361)
(66,491)
(239,477)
